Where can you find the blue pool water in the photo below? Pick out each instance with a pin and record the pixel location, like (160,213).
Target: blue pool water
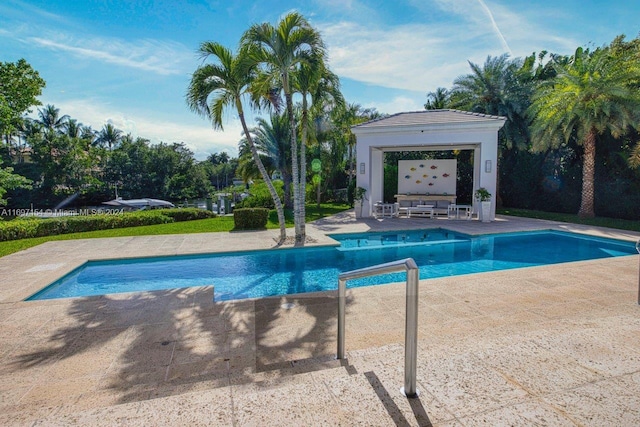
(253,274)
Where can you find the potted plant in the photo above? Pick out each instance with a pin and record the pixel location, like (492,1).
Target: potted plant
(484,197)
(359,196)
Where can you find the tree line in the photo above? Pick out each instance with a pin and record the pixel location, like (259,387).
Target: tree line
(58,158)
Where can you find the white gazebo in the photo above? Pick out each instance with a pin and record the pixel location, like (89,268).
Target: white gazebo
(429,130)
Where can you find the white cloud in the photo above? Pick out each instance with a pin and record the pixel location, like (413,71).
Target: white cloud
(423,56)
(526,32)
(411,57)
(397,105)
(202,139)
(160,57)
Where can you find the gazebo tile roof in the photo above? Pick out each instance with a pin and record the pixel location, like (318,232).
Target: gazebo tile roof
(428,117)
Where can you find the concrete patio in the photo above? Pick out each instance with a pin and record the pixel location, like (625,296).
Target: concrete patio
(556,345)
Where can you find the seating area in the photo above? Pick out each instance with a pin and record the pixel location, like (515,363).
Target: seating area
(428,206)
(422,208)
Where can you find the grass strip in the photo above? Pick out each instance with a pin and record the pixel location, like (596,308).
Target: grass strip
(620,224)
(210,225)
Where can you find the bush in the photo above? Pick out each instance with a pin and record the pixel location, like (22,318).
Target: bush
(22,228)
(250,218)
(260,197)
(188,214)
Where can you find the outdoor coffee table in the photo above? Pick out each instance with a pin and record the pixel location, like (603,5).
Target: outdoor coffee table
(420,210)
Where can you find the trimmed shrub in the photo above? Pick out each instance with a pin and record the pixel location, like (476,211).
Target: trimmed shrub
(23,228)
(250,218)
(260,196)
(188,214)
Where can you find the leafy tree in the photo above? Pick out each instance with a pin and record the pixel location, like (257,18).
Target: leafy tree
(173,173)
(224,83)
(65,164)
(10,181)
(127,169)
(590,96)
(281,50)
(20,85)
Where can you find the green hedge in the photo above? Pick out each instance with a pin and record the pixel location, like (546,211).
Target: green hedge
(187,214)
(250,218)
(22,228)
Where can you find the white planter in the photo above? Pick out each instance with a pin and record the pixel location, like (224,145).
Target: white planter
(485,211)
(357,204)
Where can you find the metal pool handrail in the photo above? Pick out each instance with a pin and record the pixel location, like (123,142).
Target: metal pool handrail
(411,323)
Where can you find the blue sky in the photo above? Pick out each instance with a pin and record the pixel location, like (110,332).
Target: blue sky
(129,62)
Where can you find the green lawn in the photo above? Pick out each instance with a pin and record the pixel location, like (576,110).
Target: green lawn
(223,223)
(621,224)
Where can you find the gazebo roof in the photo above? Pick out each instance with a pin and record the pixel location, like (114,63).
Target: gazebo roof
(429,118)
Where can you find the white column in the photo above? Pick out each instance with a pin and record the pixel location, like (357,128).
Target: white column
(376,177)
(488,167)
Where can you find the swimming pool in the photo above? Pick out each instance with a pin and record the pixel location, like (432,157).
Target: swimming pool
(254,274)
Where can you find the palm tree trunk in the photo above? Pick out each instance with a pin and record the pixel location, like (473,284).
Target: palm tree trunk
(303,169)
(294,166)
(265,176)
(588,173)
(286,180)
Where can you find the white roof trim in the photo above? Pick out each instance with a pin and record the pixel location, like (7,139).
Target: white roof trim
(430,121)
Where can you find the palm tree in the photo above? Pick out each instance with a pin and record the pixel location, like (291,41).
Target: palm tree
(72,128)
(313,79)
(272,139)
(281,50)
(437,100)
(50,119)
(344,117)
(590,96)
(109,136)
(500,89)
(214,87)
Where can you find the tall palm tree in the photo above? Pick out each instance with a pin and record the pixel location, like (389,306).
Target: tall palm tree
(498,87)
(281,50)
(109,136)
(589,96)
(313,79)
(223,84)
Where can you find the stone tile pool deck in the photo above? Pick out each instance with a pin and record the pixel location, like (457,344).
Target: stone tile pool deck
(556,345)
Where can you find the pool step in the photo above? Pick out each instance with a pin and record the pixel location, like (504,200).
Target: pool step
(377,244)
